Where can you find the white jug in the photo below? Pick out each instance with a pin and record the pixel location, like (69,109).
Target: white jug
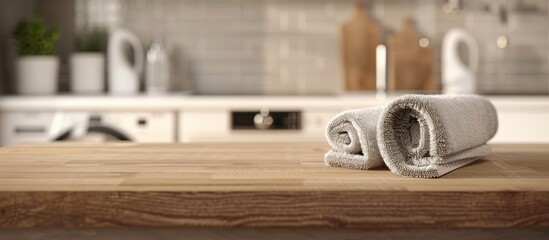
(456,76)
(123,77)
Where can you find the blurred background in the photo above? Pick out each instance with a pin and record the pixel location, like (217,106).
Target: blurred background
(252,70)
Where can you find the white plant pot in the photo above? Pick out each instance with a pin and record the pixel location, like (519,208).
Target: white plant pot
(37,75)
(87,73)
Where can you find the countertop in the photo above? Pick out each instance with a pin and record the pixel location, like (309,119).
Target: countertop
(260,184)
(177,102)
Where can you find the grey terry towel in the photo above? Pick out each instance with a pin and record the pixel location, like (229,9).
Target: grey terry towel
(352,136)
(431,135)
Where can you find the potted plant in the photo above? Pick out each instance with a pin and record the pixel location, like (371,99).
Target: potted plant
(87,64)
(37,65)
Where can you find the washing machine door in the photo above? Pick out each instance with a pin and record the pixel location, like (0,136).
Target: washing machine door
(95,132)
(84,127)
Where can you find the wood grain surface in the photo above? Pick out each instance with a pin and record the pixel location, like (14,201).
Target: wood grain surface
(360,36)
(313,233)
(260,185)
(410,65)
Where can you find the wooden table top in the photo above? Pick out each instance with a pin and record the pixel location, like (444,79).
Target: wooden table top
(260,184)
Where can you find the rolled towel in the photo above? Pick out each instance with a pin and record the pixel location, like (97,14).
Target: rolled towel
(430,135)
(352,136)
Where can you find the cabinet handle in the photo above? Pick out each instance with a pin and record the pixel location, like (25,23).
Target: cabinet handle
(27,130)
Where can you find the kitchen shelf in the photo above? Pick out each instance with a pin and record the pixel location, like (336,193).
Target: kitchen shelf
(185,102)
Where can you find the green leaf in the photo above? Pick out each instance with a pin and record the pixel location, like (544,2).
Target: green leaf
(90,41)
(35,38)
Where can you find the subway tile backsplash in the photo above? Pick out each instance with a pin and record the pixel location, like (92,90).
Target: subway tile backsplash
(292,46)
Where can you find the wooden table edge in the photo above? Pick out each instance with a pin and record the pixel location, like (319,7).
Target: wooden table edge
(348,209)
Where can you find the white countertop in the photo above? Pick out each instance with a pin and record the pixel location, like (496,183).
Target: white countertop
(182,102)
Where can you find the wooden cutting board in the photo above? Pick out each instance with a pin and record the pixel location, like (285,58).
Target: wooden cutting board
(360,36)
(410,64)
(260,184)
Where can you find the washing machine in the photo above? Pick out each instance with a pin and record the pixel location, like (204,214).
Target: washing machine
(147,127)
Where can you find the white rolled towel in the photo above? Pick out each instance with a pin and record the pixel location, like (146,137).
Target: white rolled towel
(430,135)
(352,136)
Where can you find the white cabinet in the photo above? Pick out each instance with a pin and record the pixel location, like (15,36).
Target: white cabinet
(206,119)
(16,127)
(215,126)
(522,124)
(519,122)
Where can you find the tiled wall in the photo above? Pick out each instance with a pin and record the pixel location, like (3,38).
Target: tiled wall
(248,46)
(521,67)
(292,46)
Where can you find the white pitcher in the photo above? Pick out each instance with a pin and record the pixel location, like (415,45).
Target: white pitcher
(456,76)
(123,77)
